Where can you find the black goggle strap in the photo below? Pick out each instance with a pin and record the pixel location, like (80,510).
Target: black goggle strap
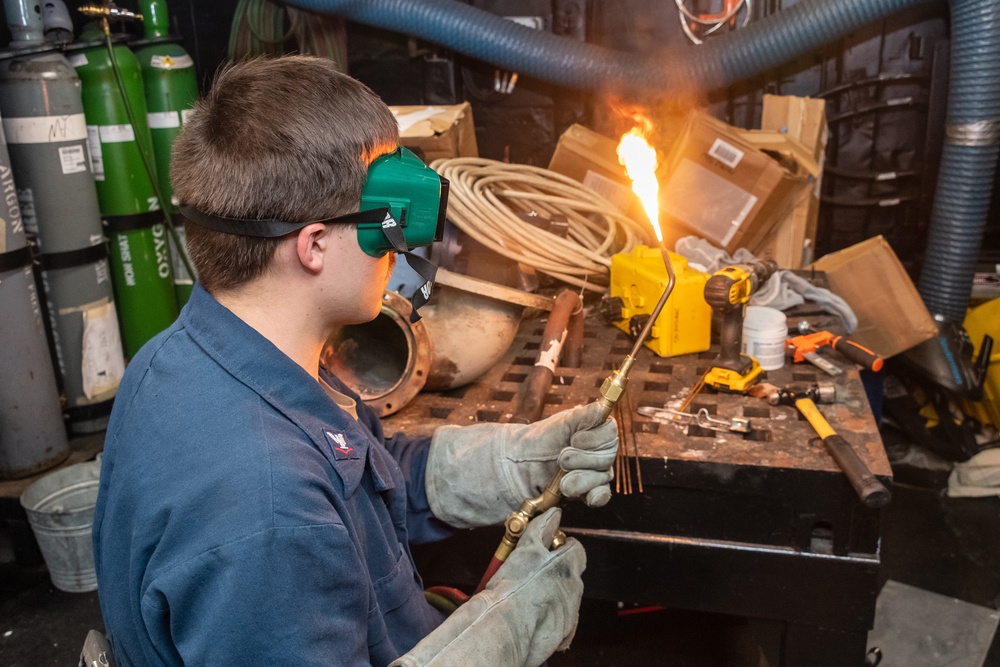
(271,228)
(424,268)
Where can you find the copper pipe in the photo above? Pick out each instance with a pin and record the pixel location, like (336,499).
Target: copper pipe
(572,354)
(531,399)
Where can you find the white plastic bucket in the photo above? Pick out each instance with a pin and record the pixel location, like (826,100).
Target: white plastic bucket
(60,509)
(765,331)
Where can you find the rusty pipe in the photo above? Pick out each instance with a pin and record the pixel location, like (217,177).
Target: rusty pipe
(572,354)
(531,399)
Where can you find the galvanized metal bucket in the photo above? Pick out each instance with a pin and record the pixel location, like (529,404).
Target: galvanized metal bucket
(60,509)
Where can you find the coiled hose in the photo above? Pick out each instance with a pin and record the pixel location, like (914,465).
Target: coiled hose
(487,196)
(968,159)
(970,153)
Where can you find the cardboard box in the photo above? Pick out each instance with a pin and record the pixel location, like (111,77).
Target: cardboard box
(435,132)
(892,317)
(720,185)
(592,159)
(792,242)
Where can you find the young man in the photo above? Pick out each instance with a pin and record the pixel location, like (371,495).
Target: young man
(251,510)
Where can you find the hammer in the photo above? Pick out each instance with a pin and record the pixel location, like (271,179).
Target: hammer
(804,397)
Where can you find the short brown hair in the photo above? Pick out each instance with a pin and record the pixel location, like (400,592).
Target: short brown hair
(288,138)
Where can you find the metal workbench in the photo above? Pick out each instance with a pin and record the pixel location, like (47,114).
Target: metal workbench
(762,525)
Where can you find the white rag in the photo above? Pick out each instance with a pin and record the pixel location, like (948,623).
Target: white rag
(977,477)
(782,290)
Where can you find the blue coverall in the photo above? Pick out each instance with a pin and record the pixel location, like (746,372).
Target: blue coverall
(245,519)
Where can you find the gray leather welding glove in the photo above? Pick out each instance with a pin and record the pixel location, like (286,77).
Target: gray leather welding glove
(477,474)
(527,611)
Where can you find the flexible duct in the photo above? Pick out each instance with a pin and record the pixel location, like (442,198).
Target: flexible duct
(740,54)
(968,160)
(962,199)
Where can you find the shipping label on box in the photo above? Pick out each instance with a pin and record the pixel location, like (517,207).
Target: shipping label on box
(723,188)
(436,132)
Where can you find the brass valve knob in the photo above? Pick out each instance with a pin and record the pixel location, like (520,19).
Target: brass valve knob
(109,10)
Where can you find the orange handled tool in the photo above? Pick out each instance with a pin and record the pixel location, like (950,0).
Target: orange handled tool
(806,345)
(857,353)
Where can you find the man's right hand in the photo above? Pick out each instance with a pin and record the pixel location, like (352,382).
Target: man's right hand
(527,611)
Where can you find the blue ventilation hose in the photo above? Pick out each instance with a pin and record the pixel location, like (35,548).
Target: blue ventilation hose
(968,160)
(567,62)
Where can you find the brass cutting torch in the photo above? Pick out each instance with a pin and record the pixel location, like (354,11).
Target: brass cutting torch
(611,390)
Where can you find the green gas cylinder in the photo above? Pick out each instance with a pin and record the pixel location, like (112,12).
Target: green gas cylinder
(171,86)
(132,212)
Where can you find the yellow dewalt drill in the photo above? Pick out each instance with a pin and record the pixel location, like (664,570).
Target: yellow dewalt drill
(727,292)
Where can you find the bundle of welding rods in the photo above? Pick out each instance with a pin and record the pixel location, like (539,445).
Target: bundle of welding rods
(624,411)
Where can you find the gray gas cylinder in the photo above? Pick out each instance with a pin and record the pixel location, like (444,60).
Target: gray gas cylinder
(46,133)
(32,434)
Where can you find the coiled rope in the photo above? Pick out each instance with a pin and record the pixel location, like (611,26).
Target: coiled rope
(488,198)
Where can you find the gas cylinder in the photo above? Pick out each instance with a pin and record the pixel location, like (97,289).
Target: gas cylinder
(171,86)
(47,138)
(32,435)
(118,135)
(57,23)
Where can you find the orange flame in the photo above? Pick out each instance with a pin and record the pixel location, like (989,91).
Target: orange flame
(639,159)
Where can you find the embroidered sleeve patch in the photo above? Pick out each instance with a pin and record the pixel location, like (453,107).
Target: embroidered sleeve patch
(341,450)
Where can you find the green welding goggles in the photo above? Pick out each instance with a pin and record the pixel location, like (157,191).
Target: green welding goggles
(416,196)
(403,206)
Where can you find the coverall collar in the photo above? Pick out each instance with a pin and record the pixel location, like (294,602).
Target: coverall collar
(287,387)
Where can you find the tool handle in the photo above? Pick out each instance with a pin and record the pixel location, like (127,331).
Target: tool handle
(730,341)
(859,354)
(871,491)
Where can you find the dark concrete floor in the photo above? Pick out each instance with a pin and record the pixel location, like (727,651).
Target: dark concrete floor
(39,624)
(948,546)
